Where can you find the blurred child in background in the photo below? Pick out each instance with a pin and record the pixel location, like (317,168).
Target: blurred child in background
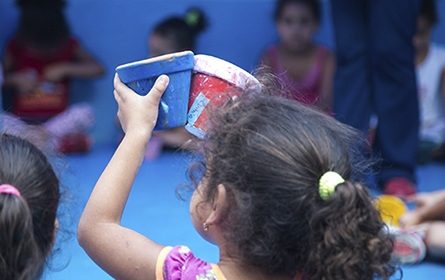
(424,226)
(305,68)
(430,73)
(423,229)
(39,62)
(174,34)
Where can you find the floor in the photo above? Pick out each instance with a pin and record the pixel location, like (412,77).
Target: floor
(153,205)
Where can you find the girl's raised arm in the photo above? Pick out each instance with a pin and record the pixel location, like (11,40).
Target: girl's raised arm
(121,252)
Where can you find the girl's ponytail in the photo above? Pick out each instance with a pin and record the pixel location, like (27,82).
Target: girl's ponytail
(20,256)
(196,20)
(348,240)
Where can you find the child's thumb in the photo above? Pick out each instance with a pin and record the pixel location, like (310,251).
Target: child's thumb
(158,88)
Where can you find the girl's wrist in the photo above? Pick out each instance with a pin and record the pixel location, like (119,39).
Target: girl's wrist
(139,134)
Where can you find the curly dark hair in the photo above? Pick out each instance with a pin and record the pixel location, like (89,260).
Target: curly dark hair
(269,153)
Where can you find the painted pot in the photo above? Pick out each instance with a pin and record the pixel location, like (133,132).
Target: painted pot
(213,81)
(141,75)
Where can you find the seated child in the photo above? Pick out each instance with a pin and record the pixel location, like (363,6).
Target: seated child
(29,198)
(424,229)
(430,72)
(304,68)
(276,192)
(172,35)
(39,62)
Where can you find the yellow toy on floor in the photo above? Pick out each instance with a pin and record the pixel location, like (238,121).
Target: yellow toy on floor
(390,208)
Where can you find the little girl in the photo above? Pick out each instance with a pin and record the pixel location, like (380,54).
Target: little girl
(39,62)
(305,69)
(29,198)
(275,194)
(174,34)
(430,74)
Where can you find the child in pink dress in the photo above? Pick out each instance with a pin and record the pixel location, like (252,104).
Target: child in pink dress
(275,190)
(304,68)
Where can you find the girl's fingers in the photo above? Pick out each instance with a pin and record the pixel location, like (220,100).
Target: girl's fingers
(158,88)
(117,96)
(120,88)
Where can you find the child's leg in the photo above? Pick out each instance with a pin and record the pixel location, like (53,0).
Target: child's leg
(409,246)
(435,241)
(69,129)
(439,152)
(75,119)
(36,134)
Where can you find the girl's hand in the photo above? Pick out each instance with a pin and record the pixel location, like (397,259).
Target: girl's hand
(424,200)
(410,218)
(138,114)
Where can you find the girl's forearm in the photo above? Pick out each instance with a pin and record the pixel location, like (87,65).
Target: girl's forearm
(111,192)
(84,70)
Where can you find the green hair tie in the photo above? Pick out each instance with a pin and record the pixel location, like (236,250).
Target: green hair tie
(328,182)
(192,18)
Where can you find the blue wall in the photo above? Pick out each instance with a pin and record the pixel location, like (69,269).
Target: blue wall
(115,31)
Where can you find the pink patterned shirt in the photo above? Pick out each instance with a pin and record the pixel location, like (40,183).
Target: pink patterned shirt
(178,262)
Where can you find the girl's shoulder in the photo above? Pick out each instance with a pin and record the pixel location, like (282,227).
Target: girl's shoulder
(324,50)
(72,42)
(175,263)
(325,55)
(269,56)
(14,46)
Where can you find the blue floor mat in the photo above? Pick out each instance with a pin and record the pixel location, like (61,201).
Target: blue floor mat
(154,211)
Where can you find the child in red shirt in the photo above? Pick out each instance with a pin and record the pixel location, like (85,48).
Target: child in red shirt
(39,62)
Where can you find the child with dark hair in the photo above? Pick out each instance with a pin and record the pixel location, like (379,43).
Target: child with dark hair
(306,69)
(423,227)
(175,34)
(277,192)
(29,198)
(39,62)
(430,73)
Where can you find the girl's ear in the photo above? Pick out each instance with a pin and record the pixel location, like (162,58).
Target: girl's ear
(218,206)
(56,230)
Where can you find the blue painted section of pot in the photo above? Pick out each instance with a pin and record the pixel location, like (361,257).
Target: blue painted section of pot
(140,76)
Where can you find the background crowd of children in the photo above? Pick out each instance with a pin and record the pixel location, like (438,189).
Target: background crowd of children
(391,70)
